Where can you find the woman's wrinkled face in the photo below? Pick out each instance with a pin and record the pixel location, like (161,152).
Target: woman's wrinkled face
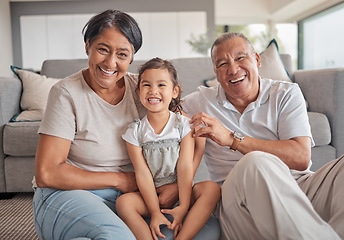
(109,56)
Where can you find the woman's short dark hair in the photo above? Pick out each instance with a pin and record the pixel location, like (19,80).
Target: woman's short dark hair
(113,18)
(158,63)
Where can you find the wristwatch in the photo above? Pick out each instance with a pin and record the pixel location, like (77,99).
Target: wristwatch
(237,139)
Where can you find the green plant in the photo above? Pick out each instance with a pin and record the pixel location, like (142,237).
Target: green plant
(200,44)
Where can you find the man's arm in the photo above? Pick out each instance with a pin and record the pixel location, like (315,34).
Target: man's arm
(295,152)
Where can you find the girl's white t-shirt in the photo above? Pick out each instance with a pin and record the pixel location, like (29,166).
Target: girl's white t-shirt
(169,132)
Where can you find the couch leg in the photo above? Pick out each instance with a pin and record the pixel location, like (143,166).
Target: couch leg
(6,195)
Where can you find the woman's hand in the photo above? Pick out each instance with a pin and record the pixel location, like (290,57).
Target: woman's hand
(178,214)
(126,182)
(168,195)
(211,128)
(158,219)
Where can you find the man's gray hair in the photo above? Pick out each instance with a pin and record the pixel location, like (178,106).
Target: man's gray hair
(229,35)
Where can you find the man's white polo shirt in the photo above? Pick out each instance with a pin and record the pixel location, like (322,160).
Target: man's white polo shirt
(279,113)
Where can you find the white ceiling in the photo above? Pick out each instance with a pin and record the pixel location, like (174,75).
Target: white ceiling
(264,11)
(229,12)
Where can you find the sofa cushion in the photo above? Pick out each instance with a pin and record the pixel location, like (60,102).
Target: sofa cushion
(135,65)
(192,75)
(19,172)
(322,155)
(63,67)
(35,94)
(20,138)
(320,128)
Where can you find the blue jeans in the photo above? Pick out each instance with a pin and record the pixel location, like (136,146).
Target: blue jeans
(82,214)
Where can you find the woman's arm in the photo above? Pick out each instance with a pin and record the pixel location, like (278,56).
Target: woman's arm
(51,170)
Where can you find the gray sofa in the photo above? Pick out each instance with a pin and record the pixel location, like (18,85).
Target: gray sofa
(322,90)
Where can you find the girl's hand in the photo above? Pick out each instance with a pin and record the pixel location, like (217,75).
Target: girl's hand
(178,214)
(157,220)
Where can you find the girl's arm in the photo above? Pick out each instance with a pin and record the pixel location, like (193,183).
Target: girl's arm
(144,178)
(199,150)
(185,170)
(51,170)
(146,186)
(168,194)
(185,174)
(199,147)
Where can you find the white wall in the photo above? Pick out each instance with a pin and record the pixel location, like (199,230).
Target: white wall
(59,36)
(51,37)
(6,58)
(22,9)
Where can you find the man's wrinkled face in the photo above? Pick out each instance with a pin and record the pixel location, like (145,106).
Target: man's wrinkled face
(236,67)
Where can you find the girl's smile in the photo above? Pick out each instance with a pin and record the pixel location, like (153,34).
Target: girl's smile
(156,90)
(154,100)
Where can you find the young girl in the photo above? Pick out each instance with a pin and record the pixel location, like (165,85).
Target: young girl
(160,146)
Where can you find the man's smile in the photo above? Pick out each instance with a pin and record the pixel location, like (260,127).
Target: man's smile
(237,80)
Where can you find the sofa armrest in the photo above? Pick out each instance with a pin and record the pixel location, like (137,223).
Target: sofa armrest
(10,92)
(324,92)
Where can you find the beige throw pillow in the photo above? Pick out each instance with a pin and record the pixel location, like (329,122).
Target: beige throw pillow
(35,94)
(271,64)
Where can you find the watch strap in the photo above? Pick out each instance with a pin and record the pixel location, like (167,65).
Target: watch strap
(235,143)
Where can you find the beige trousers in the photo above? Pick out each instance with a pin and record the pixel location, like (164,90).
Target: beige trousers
(262,200)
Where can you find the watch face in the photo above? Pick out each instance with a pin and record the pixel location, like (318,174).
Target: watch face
(239,136)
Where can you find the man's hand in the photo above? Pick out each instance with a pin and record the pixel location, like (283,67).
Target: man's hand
(211,128)
(168,195)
